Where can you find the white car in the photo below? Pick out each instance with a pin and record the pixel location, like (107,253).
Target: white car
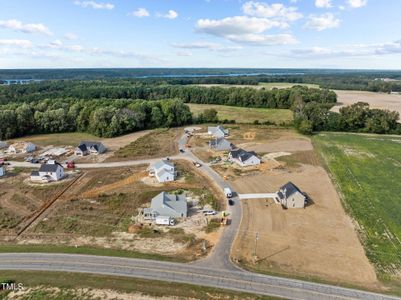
(209,212)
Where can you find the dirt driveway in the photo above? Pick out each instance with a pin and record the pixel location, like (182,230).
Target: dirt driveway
(319,241)
(376,100)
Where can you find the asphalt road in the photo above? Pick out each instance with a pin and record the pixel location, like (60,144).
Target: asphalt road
(183,273)
(216,270)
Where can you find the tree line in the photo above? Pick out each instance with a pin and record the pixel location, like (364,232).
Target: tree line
(103,117)
(312,117)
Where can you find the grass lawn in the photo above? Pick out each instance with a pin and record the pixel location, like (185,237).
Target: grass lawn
(57,139)
(244,114)
(367,172)
(68,283)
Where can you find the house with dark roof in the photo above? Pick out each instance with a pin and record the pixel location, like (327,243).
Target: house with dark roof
(244,158)
(88,147)
(290,196)
(220,144)
(217,132)
(51,171)
(167,205)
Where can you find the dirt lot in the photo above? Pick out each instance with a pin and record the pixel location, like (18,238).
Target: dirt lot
(319,241)
(160,143)
(376,100)
(98,210)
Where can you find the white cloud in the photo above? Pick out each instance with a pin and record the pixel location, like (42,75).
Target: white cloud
(350,50)
(206,45)
(16,43)
(322,22)
(357,3)
(70,36)
(17,25)
(244,29)
(323,3)
(140,13)
(94,4)
(172,14)
(183,53)
(275,11)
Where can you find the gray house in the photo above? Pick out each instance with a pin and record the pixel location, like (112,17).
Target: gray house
(3,145)
(290,196)
(87,147)
(217,132)
(220,144)
(167,205)
(244,158)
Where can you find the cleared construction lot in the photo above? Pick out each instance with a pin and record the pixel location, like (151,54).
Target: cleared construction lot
(319,241)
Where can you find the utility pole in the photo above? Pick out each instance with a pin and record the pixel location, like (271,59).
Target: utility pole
(256,243)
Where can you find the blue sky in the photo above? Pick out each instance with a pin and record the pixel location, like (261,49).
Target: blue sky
(200,33)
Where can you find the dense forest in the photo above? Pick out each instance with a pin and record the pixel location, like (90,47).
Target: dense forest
(367,80)
(108,108)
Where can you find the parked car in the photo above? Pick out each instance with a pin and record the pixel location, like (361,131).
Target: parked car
(209,212)
(231,202)
(182,151)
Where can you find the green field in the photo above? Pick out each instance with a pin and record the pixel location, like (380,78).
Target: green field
(57,139)
(367,172)
(285,85)
(245,114)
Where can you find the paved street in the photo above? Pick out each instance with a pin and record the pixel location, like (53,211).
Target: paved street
(216,270)
(184,273)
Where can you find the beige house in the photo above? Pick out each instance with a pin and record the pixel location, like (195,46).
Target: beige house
(21,147)
(290,196)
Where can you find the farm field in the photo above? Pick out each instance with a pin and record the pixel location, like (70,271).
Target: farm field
(367,169)
(265,85)
(376,100)
(288,239)
(244,114)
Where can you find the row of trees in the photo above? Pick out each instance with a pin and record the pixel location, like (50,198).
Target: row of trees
(104,117)
(248,97)
(310,117)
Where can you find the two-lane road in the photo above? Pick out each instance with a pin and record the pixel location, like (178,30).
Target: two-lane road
(177,272)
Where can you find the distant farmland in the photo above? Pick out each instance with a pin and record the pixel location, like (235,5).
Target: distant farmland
(367,170)
(245,114)
(265,85)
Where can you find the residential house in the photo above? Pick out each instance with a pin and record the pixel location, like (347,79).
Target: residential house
(244,158)
(163,170)
(217,132)
(220,144)
(52,171)
(2,171)
(21,147)
(87,147)
(290,196)
(3,145)
(167,205)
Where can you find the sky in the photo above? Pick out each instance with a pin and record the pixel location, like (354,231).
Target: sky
(355,34)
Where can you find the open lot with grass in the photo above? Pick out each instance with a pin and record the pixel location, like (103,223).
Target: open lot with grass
(159,143)
(57,139)
(246,115)
(367,171)
(60,286)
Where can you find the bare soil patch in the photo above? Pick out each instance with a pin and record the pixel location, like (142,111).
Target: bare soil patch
(319,241)
(375,100)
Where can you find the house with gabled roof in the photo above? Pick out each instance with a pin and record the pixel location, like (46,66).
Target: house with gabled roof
(2,171)
(3,145)
(218,132)
(88,147)
(167,205)
(244,158)
(220,144)
(51,171)
(290,196)
(21,147)
(163,170)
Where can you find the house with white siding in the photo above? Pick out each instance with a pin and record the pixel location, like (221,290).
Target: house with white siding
(163,170)
(52,171)
(21,147)
(218,132)
(244,158)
